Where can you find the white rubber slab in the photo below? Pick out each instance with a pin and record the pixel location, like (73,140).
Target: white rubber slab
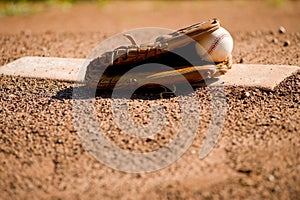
(73,69)
(65,69)
(256,75)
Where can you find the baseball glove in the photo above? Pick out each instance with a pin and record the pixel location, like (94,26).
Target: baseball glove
(115,69)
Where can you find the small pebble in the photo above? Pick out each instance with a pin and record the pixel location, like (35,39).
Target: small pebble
(286,43)
(247,181)
(59,141)
(275,41)
(241,60)
(247,94)
(281,30)
(271,178)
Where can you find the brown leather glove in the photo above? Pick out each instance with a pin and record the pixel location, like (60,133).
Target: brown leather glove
(116,69)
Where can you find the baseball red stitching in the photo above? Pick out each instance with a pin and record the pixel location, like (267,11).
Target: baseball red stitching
(214,44)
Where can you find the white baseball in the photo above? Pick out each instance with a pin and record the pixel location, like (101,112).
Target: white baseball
(216,46)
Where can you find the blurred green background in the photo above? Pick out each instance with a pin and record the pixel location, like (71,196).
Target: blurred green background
(26,7)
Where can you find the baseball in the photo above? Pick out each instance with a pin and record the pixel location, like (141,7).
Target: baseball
(216,46)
